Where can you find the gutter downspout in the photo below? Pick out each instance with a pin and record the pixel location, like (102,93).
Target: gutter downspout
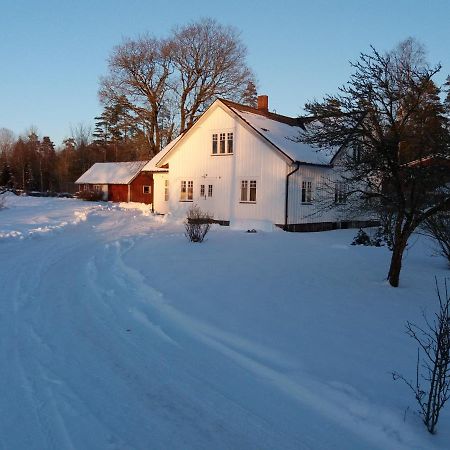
(286,204)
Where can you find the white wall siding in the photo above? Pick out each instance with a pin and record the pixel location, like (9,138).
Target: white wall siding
(160,205)
(252,159)
(318,210)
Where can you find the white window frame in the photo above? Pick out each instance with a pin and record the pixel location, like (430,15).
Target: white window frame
(215,144)
(149,189)
(210,190)
(222,142)
(307,192)
(248,190)
(202,190)
(186,191)
(340,193)
(166,190)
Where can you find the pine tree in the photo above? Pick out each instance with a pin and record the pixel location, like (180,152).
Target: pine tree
(250,95)
(6,176)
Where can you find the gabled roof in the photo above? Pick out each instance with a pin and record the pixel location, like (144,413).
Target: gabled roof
(151,166)
(112,173)
(282,132)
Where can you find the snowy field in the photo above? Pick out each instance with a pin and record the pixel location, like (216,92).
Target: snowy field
(116,333)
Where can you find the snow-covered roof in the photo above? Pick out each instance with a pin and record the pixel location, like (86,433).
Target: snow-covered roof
(281,131)
(151,165)
(284,132)
(112,173)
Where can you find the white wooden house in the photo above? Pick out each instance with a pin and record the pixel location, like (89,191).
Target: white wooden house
(244,166)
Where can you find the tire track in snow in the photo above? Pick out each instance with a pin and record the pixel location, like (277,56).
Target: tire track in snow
(349,411)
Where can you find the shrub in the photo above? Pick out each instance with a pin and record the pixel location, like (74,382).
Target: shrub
(373,240)
(431,388)
(197,224)
(90,196)
(438,228)
(361,238)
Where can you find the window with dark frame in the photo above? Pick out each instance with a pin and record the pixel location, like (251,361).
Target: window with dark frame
(248,191)
(244,187)
(340,193)
(222,143)
(146,189)
(166,190)
(214,144)
(356,154)
(229,142)
(187,191)
(253,190)
(307,192)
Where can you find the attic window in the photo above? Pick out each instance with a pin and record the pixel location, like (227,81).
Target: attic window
(264,129)
(222,143)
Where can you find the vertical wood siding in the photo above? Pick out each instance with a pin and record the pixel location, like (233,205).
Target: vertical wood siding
(160,205)
(137,188)
(252,159)
(118,192)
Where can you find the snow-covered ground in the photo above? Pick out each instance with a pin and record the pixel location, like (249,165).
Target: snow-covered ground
(116,333)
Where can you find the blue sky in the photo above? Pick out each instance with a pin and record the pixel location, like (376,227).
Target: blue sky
(52,52)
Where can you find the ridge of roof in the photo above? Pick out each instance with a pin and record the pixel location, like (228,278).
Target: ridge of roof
(123,172)
(292,121)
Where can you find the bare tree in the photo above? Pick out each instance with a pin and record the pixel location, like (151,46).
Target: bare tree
(431,388)
(138,77)
(438,228)
(168,83)
(391,119)
(7,139)
(211,62)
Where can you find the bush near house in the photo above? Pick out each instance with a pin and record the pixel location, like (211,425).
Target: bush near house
(197,224)
(90,196)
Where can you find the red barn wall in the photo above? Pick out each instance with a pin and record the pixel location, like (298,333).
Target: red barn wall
(118,192)
(137,188)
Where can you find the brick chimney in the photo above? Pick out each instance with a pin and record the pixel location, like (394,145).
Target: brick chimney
(263,103)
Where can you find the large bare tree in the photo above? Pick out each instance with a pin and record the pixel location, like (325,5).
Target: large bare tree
(138,77)
(168,83)
(210,61)
(391,115)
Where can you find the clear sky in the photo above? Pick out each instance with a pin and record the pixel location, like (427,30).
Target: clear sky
(52,52)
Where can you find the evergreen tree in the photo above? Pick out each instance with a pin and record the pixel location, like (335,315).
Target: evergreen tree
(250,95)
(6,175)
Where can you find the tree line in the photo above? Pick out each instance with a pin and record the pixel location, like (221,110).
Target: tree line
(155,89)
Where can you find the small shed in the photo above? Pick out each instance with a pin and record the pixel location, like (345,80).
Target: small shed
(119,181)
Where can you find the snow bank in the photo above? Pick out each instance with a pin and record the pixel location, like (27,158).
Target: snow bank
(119,333)
(26,217)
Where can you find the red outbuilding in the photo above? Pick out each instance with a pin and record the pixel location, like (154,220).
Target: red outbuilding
(119,181)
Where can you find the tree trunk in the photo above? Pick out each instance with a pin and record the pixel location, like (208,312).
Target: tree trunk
(396,260)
